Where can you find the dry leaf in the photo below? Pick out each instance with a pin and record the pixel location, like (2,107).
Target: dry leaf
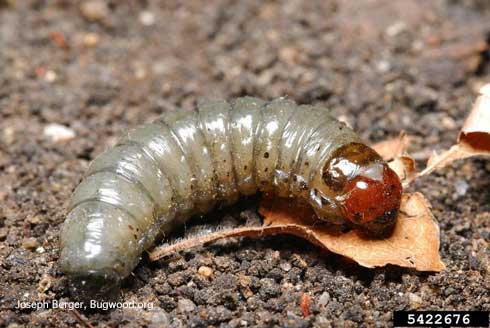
(404,167)
(413,244)
(474,138)
(392,148)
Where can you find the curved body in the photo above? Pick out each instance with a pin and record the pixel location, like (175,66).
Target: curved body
(187,162)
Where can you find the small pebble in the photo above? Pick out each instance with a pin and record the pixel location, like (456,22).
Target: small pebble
(221,262)
(30,243)
(415,300)
(461,187)
(90,40)
(324,299)
(159,318)
(33,219)
(289,55)
(396,29)
(50,76)
(58,133)
(94,10)
(147,18)
(14,325)
(186,305)
(140,73)
(205,271)
(448,123)
(45,283)
(244,281)
(9,135)
(383,66)
(285,266)
(298,261)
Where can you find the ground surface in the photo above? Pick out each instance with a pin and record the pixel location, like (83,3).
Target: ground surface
(100,68)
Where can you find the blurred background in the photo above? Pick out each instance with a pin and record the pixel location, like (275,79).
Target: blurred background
(74,75)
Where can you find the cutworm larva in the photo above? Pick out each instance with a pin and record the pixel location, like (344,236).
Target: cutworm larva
(186,163)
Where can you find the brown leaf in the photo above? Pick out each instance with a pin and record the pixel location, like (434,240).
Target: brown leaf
(394,151)
(413,244)
(473,139)
(392,148)
(404,167)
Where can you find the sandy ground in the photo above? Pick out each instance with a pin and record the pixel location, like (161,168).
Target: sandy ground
(98,68)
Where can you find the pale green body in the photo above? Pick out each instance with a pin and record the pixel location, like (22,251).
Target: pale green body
(184,164)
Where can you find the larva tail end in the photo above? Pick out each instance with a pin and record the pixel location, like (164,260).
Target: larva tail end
(372,204)
(95,285)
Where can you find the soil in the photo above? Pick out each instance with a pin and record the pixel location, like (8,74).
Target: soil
(101,67)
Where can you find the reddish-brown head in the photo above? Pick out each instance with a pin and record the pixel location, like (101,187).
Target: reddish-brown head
(373,203)
(369,191)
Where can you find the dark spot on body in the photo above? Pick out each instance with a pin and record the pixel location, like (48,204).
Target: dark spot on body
(245,167)
(266,155)
(357,216)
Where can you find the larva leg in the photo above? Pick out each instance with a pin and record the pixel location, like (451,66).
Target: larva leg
(246,113)
(214,119)
(269,132)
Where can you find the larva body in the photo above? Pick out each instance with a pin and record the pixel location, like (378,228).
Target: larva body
(185,163)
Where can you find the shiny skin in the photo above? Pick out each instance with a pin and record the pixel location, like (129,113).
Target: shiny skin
(188,162)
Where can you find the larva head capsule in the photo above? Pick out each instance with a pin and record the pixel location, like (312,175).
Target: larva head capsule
(366,190)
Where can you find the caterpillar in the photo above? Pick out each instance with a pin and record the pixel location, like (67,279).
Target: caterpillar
(187,162)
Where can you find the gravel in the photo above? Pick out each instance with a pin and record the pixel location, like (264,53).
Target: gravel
(96,68)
